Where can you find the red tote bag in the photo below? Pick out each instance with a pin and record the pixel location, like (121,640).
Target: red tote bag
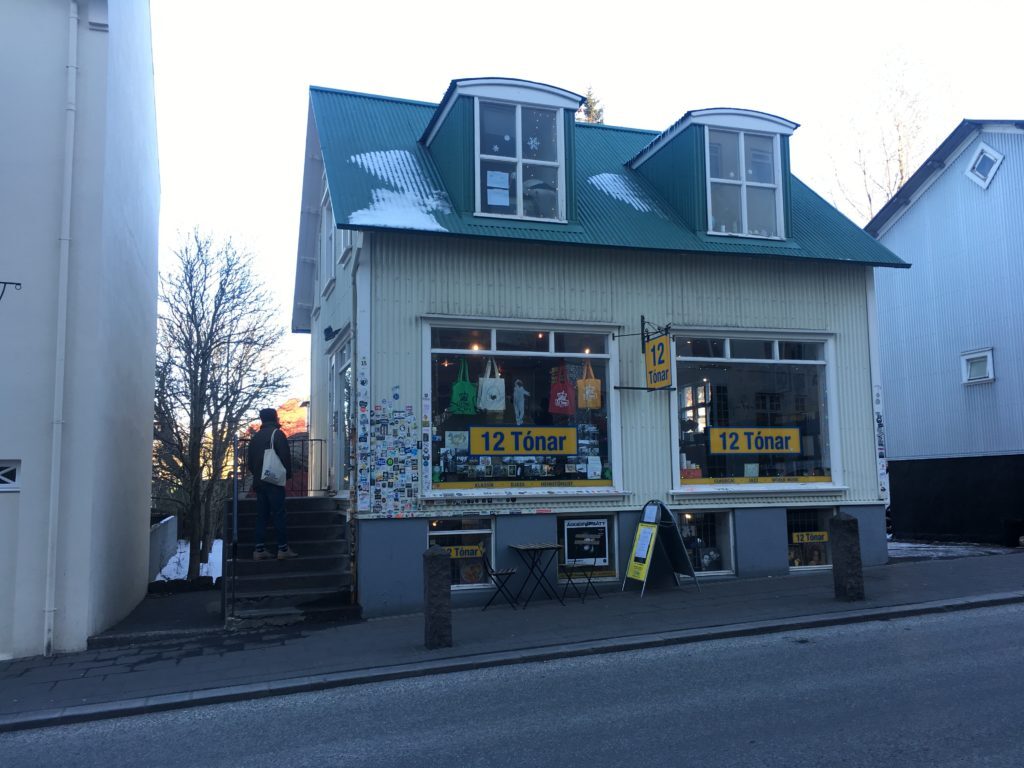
(563,394)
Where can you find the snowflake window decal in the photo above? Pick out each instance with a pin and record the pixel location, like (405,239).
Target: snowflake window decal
(496,149)
(534,143)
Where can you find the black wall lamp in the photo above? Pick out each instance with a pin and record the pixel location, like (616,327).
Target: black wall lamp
(329,333)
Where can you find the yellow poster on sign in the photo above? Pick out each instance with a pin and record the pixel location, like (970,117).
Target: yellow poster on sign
(754,440)
(658,363)
(522,441)
(643,550)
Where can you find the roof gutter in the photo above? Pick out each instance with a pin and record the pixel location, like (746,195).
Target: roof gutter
(57,436)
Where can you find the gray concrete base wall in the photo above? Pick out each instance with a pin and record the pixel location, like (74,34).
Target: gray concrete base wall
(761,548)
(390,565)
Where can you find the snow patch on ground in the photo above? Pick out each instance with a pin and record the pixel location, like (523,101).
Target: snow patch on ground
(939,550)
(622,189)
(411,205)
(177,566)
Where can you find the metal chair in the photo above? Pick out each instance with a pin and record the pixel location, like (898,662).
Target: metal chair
(499,578)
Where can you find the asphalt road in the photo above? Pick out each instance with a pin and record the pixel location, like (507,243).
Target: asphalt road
(940,690)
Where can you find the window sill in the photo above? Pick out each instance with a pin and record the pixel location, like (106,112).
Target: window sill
(530,493)
(979,381)
(531,219)
(10,490)
(776,239)
(758,489)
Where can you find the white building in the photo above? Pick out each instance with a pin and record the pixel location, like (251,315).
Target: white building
(474,276)
(80,204)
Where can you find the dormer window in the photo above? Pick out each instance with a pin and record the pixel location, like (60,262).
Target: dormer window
(743,173)
(520,161)
(500,145)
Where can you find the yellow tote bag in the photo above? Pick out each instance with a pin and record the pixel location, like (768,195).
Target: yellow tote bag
(588,389)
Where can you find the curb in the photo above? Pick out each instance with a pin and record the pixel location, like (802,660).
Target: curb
(146,705)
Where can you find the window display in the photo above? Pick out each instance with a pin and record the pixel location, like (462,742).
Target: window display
(807,530)
(752,411)
(468,540)
(519,409)
(588,546)
(707,537)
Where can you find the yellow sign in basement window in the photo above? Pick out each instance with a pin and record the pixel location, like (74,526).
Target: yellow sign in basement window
(754,440)
(465,552)
(522,441)
(810,537)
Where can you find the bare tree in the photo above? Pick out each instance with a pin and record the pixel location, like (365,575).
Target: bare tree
(215,367)
(885,155)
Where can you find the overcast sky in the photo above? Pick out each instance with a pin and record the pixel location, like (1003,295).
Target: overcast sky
(232,81)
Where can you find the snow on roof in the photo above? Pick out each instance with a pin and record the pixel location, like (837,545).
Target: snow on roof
(622,189)
(411,204)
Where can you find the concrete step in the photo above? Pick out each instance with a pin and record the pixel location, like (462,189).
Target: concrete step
(298,598)
(300,517)
(301,504)
(305,563)
(260,583)
(306,547)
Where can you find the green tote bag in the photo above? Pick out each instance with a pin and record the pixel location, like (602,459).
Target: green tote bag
(463,393)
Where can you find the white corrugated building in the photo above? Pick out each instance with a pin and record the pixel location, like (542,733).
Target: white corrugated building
(442,242)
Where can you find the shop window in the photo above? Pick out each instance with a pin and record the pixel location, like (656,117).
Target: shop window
(743,184)
(468,540)
(976,366)
(520,161)
(757,414)
(519,408)
(807,530)
(9,471)
(707,537)
(588,543)
(983,166)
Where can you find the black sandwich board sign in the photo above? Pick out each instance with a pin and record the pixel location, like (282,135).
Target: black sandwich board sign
(658,538)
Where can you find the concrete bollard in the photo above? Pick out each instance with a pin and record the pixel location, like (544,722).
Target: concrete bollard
(847,569)
(437,598)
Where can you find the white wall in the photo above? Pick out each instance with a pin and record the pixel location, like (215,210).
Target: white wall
(107,419)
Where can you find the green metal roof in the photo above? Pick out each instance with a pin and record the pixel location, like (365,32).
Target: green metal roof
(381,177)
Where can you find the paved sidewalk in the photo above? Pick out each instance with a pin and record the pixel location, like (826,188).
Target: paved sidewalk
(41,691)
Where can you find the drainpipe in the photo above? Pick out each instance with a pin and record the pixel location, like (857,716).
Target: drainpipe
(57,438)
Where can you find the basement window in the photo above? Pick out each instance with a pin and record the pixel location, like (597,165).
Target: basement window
(9,473)
(976,366)
(983,166)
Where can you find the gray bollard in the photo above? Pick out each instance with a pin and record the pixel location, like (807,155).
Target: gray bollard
(847,569)
(437,598)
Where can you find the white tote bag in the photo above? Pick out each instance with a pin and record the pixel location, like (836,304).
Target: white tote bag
(490,389)
(273,470)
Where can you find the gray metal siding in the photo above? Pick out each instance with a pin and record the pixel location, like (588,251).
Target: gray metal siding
(963,293)
(418,275)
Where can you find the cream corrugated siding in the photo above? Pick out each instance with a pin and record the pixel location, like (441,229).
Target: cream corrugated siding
(415,276)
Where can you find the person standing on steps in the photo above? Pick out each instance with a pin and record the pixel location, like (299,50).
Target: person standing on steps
(269,497)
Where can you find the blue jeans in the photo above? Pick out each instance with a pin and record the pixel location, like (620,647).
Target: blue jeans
(270,504)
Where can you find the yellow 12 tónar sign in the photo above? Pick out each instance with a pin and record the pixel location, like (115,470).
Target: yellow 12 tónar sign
(658,363)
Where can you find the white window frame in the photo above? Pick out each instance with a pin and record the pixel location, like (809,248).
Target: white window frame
(966,358)
(328,257)
(547,326)
(996,158)
(518,160)
(836,484)
(10,475)
(743,184)
(486,584)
